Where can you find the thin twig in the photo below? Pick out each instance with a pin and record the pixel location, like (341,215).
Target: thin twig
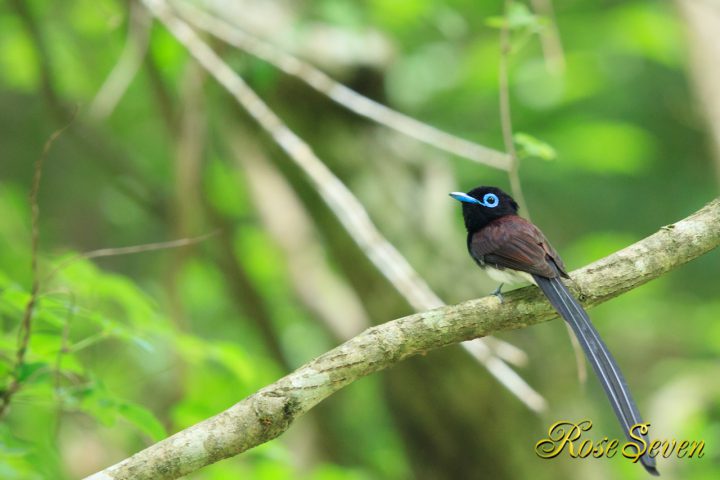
(505,113)
(338,92)
(25,331)
(269,412)
(346,207)
(146,247)
(127,66)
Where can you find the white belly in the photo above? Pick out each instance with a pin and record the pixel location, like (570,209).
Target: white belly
(509,277)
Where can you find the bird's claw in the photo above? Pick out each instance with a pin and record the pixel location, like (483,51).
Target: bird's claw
(498,293)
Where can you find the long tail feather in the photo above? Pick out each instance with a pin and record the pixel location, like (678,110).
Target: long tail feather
(599,357)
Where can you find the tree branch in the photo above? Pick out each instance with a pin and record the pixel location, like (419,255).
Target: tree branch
(270,411)
(127,66)
(339,93)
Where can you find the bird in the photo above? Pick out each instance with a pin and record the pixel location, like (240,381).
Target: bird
(511,249)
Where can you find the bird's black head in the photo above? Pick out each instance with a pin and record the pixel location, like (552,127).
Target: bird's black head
(482,205)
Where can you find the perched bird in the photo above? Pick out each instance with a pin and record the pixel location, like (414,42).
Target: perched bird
(511,249)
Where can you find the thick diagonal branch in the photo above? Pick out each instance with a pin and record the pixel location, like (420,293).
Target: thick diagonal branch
(270,411)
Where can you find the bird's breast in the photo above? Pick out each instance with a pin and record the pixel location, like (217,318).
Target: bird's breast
(507,276)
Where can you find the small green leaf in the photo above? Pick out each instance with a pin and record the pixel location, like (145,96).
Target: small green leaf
(529,146)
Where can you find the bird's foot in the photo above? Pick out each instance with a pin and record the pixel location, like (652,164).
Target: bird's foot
(498,293)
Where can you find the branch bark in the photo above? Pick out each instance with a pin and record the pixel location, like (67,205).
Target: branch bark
(270,411)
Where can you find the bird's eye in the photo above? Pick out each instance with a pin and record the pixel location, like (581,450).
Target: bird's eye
(491,200)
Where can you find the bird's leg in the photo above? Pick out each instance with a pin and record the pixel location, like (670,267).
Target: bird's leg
(498,293)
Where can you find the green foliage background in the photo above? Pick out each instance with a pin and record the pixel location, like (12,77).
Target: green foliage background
(127,349)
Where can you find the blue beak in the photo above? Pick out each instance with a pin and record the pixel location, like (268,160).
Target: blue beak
(463,197)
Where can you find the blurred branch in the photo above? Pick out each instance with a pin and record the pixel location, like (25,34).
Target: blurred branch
(243,292)
(322,290)
(550,37)
(138,39)
(338,92)
(189,142)
(505,113)
(346,207)
(702,19)
(146,247)
(25,331)
(47,78)
(186,128)
(114,160)
(164,100)
(270,411)
(190,138)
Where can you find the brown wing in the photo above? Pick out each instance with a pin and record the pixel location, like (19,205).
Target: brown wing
(513,242)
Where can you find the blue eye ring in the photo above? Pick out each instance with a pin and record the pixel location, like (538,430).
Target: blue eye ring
(490,200)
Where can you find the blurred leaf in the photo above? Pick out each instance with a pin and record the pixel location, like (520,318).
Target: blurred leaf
(220,181)
(414,79)
(230,356)
(96,401)
(95,17)
(107,408)
(347,13)
(70,363)
(5,369)
(15,461)
(45,346)
(168,53)
(10,445)
(143,419)
(13,301)
(518,16)
(529,146)
(401,14)
(334,472)
(18,62)
(30,371)
(603,146)
(536,87)
(654,32)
